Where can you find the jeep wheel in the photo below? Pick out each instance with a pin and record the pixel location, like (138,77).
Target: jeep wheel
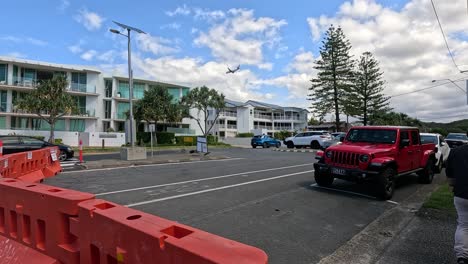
(315,145)
(265,145)
(427,174)
(278,145)
(290,144)
(386,184)
(254,146)
(323,180)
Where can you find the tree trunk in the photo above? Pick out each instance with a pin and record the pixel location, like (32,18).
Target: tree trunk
(52,134)
(337,112)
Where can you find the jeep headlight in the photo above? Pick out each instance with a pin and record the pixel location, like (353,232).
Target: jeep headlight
(329,154)
(364,158)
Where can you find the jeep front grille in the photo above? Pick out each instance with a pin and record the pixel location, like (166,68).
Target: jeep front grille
(345,158)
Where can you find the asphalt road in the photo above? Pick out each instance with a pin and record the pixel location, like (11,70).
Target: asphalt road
(260,197)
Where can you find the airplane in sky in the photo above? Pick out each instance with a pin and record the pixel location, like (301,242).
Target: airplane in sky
(233,71)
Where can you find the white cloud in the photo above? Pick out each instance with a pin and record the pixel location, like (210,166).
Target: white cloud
(29,40)
(240,38)
(107,56)
(156,45)
(174,25)
(410,48)
(194,72)
(208,15)
(75,49)
(15,55)
(64,4)
(181,10)
(90,20)
(88,55)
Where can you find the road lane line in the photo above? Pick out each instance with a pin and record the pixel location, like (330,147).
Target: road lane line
(203,179)
(152,165)
(216,189)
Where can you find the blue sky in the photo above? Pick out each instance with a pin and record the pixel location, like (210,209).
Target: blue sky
(275,42)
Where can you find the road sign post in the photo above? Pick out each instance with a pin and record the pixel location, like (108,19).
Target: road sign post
(152,128)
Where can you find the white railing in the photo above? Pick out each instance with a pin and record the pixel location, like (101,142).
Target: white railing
(263,127)
(262,116)
(287,118)
(232,126)
(228,114)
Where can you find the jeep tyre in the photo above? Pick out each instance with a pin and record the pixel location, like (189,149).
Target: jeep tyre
(386,184)
(290,144)
(323,180)
(427,174)
(265,145)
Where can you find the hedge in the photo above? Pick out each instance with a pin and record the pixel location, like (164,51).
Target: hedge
(281,135)
(58,141)
(162,137)
(245,135)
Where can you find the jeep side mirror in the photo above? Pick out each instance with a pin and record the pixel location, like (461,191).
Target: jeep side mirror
(404,143)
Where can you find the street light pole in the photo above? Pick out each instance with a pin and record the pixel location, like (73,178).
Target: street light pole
(130,74)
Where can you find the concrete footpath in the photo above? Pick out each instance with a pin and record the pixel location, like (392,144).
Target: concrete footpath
(406,233)
(157,159)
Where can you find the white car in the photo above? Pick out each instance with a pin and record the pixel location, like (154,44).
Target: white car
(312,139)
(443,149)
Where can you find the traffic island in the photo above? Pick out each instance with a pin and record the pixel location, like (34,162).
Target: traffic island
(133,153)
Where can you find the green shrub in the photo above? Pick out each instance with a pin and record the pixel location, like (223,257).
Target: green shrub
(162,137)
(212,139)
(58,141)
(281,135)
(245,135)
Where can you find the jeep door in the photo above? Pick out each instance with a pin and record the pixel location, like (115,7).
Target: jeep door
(405,152)
(415,147)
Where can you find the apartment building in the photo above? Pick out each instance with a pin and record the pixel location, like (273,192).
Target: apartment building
(102,100)
(258,118)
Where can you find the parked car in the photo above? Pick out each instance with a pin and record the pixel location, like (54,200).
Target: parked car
(15,144)
(313,139)
(442,149)
(337,138)
(456,139)
(377,154)
(265,141)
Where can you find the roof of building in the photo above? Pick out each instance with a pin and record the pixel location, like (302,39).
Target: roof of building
(273,106)
(137,79)
(56,66)
(231,103)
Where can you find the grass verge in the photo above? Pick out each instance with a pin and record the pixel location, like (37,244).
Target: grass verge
(441,199)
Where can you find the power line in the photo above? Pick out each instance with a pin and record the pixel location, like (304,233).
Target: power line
(445,39)
(427,88)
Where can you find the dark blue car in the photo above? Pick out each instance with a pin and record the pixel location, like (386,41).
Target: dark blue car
(265,142)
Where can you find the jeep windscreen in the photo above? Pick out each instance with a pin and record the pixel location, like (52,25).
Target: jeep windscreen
(425,139)
(378,136)
(457,136)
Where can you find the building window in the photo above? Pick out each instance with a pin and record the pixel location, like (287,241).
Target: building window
(107,109)
(78,82)
(3,73)
(77,125)
(122,109)
(39,124)
(185,91)
(138,90)
(124,89)
(80,105)
(3,101)
(175,92)
(2,122)
(108,88)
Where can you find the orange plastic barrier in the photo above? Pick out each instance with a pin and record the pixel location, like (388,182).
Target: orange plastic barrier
(31,166)
(73,227)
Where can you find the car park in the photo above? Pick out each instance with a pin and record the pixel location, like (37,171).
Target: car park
(14,144)
(377,154)
(264,141)
(312,139)
(442,149)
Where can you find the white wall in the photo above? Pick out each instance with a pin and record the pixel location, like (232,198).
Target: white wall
(243,120)
(95,139)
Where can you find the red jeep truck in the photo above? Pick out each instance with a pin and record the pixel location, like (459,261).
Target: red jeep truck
(378,154)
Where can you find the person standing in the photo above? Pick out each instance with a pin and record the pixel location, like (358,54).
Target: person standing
(457,174)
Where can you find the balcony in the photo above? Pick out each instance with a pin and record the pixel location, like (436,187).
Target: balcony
(232,114)
(263,127)
(280,128)
(82,88)
(231,126)
(262,116)
(12,108)
(287,118)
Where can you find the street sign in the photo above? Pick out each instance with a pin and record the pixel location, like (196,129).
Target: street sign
(152,127)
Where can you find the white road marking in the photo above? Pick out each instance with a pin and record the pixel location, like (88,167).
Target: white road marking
(67,164)
(216,189)
(153,165)
(242,174)
(349,192)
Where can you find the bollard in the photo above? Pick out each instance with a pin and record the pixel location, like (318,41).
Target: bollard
(1,148)
(81,151)
(103,144)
